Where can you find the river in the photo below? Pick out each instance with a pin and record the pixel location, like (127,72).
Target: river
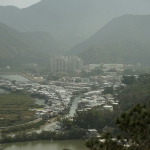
(47,145)
(74,106)
(14,77)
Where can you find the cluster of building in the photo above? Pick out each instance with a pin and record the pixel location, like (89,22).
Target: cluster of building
(97,98)
(58,94)
(66,64)
(91,98)
(57,99)
(106,67)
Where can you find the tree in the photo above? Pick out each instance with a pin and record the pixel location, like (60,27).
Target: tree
(76,132)
(66,123)
(128,80)
(135,123)
(135,126)
(139,92)
(108,90)
(89,119)
(128,72)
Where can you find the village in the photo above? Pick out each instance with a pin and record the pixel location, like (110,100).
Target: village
(66,96)
(59,95)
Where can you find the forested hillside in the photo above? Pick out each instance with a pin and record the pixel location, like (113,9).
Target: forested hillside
(26,47)
(125,39)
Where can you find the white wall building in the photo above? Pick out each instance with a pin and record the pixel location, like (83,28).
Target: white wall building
(65,64)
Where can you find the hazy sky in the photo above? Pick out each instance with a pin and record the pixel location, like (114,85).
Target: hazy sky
(27,3)
(18,3)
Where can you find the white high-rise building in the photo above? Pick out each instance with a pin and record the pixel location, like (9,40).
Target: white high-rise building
(75,63)
(65,64)
(59,64)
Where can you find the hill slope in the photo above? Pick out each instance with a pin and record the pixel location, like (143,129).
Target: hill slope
(20,47)
(124,39)
(71,21)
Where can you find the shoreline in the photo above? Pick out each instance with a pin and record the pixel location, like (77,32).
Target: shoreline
(47,145)
(31,78)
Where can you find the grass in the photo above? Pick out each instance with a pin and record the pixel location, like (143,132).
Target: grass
(14,109)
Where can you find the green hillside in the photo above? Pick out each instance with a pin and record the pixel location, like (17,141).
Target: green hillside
(22,47)
(122,52)
(124,39)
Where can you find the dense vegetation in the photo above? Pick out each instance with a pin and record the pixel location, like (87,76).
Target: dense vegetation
(14,109)
(137,92)
(74,133)
(92,119)
(135,128)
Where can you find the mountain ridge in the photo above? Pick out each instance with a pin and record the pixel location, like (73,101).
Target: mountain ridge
(68,21)
(121,33)
(25,47)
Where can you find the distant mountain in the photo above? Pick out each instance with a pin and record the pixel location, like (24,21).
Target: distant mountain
(70,21)
(43,42)
(23,47)
(125,39)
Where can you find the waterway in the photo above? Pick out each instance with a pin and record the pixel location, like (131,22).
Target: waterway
(14,77)
(53,126)
(47,145)
(74,107)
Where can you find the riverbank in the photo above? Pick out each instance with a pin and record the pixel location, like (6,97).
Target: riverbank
(48,145)
(32,78)
(74,133)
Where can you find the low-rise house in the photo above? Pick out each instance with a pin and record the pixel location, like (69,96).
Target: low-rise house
(91,133)
(108,107)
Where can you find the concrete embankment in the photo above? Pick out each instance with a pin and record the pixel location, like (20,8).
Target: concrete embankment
(32,78)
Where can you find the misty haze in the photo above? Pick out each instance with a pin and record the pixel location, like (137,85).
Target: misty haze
(75,73)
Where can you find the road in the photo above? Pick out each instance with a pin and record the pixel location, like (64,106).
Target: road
(34,121)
